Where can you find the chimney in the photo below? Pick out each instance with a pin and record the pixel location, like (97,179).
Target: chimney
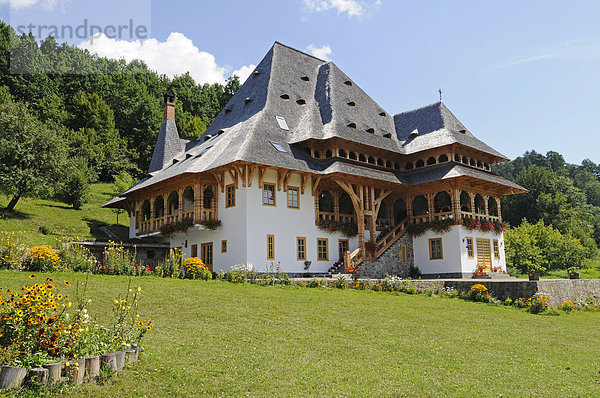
(169,112)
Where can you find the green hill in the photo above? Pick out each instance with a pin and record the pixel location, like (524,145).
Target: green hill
(43,221)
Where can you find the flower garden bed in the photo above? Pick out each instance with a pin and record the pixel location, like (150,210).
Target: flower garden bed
(45,339)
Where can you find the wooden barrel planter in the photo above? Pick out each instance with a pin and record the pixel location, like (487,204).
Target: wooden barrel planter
(132,354)
(120,356)
(573,275)
(92,369)
(12,376)
(534,276)
(109,361)
(37,376)
(54,372)
(75,370)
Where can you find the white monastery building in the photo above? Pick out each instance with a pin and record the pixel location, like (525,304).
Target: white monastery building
(303,166)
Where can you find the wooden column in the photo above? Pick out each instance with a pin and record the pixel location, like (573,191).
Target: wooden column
(360,218)
(499,212)
(197,203)
(215,203)
(372,224)
(456,204)
(180,193)
(472,196)
(409,211)
(336,205)
(485,205)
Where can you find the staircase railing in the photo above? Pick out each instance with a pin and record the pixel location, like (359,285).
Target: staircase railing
(352,260)
(396,233)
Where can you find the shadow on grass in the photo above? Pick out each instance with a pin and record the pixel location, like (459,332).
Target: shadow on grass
(13,215)
(57,206)
(95,226)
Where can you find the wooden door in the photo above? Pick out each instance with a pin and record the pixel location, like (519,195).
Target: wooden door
(484,256)
(207,254)
(342,248)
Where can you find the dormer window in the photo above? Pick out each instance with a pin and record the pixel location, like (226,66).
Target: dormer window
(228,110)
(382,114)
(352,125)
(414,133)
(348,83)
(255,73)
(285,97)
(301,102)
(248,101)
(352,104)
(370,130)
(388,135)
(305,79)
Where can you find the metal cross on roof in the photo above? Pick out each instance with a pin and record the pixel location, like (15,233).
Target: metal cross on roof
(440,91)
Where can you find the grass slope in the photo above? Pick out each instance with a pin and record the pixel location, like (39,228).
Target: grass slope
(60,219)
(219,339)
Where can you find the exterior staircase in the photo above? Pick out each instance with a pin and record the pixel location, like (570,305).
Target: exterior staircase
(352,260)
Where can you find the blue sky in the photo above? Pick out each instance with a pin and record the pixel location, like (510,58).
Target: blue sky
(520,75)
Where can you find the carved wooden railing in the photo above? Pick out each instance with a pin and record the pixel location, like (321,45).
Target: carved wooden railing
(388,240)
(353,259)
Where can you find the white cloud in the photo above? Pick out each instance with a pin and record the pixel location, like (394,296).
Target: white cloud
(244,72)
(579,49)
(320,52)
(354,8)
(17,4)
(175,56)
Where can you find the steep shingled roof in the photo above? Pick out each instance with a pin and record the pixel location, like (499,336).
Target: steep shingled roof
(168,146)
(317,101)
(436,127)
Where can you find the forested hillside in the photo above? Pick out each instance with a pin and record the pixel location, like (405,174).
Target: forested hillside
(108,110)
(566,196)
(97,117)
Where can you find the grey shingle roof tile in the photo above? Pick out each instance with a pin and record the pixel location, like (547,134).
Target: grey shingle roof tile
(248,128)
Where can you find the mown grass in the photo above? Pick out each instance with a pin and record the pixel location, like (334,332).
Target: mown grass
(220,339)
(58,219)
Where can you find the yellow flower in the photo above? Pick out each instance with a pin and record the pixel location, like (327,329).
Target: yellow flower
(32,276)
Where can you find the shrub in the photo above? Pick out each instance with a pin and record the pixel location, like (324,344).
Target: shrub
(195,269)
(12,250)
(42,258)
(537,247)
(538,303)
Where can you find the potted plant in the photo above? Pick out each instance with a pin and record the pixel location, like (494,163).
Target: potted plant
(573,274)
(307,268)
(534,270)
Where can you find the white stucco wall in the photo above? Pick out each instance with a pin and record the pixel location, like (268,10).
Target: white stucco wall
(454,247)
(246,225)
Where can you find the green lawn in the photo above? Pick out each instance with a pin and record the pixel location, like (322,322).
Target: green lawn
(219,339)
(60,219)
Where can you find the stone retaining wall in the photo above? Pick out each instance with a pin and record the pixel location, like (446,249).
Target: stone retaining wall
(557,290)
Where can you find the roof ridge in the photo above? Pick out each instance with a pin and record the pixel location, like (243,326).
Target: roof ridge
(298,51)
(422,107)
